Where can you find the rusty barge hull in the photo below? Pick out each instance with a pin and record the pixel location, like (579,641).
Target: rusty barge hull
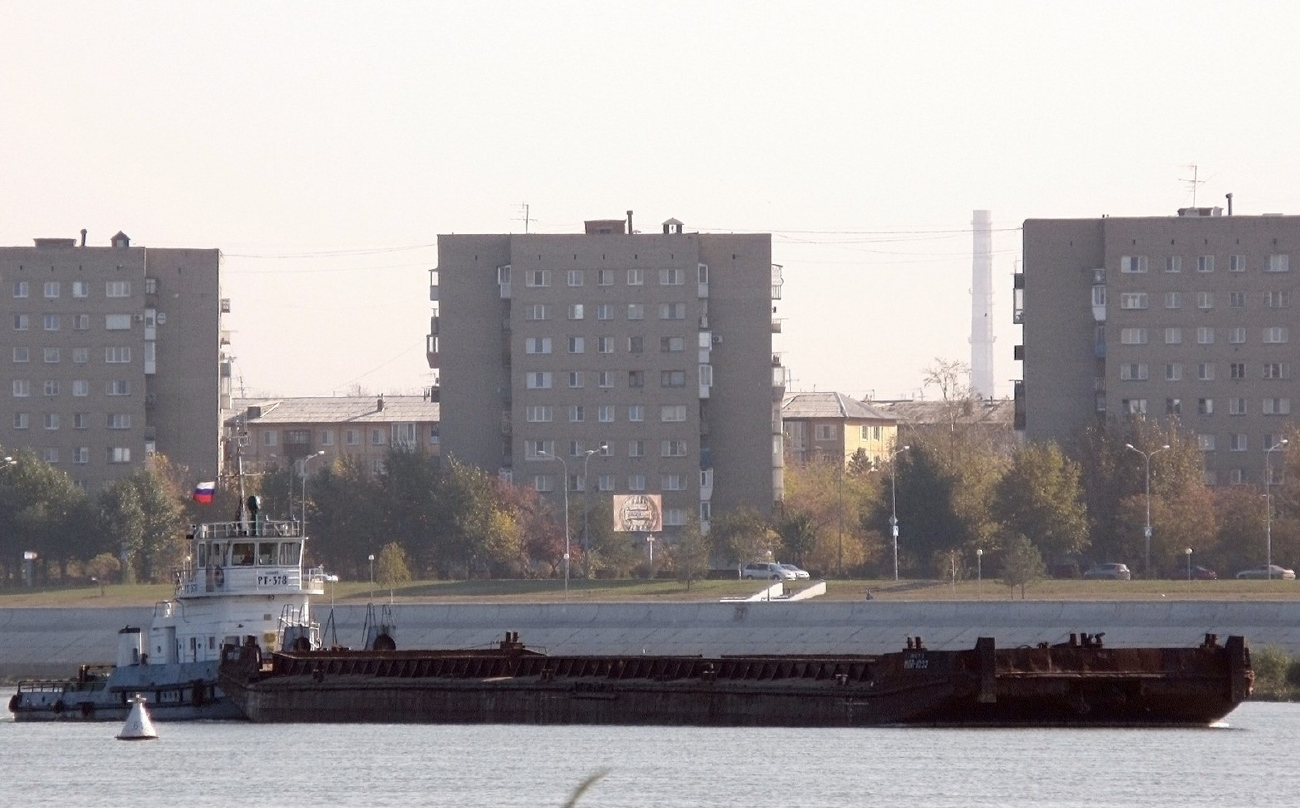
(1068,685)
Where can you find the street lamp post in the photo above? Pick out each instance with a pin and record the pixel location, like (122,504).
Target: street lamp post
(586,543)
(304,461)
(1189,571)
(979,572)
(1268,506)
(893,499)
(565,486)
(372,576)
(1146,456)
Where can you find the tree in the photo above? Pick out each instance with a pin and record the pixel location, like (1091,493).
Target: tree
(798,535)
(391,568)
(690,555)
(742,535)
(1021,563)
(952,377)
(1040,497)
(101,568)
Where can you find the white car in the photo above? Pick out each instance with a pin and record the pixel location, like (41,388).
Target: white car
(1262,573)
(798,573)
(766,571)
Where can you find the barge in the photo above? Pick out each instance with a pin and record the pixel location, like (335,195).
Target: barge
(1076,683)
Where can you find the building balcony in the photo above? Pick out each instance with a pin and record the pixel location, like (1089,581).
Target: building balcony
(776,326)
(431,351)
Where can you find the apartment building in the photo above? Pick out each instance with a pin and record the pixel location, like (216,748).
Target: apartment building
(1185,318)
(287,430)
(614,362)
(112,353)
(835,426)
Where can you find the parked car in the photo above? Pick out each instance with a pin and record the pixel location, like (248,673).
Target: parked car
(1108,572)
(798,573)
(767,571)
(1204,574)
(1262,572)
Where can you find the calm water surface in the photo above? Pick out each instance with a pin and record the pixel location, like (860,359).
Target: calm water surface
(1247,762)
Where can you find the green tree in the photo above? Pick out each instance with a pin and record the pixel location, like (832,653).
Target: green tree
(40,509)
(101,568)
(122,517)
(391,568)
(1040,496)
(1022,564)
(690,555)
(798,536)
(740,536)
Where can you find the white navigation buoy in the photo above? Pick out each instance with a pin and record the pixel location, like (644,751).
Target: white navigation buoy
(138,726)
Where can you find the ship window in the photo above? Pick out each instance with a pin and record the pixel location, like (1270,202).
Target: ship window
(289,553)
(241,554)
(203,554)
(265,552)
(218,554)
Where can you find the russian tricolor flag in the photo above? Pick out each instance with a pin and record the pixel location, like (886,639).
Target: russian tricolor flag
(205,492)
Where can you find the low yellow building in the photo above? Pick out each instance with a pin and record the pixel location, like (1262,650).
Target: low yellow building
(830,425)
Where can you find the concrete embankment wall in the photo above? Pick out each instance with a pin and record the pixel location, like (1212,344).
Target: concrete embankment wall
(41,642)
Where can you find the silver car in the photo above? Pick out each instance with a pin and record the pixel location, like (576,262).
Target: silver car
(798,573)
(1262,573)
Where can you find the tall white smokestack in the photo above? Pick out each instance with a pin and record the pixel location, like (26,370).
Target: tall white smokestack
(981,310)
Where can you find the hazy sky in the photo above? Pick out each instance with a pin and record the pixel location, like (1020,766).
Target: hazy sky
(323,146)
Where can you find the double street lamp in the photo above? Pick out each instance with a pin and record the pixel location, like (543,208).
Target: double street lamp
(586,544)
(1268,505)
(565,485)
(1146,456)
(303,462)
(893,498)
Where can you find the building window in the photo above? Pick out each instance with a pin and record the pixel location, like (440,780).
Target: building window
(670,277)
(1236,263)
(1275,335)
(605,345)
(605,413)
(672,344)
(537,277)
(1205,443)
(21,322)
(52,420)
(577,414)
(297,437)
(1133,300)
(81,322)
(1237,442)
(51,387)
(1277,406)
(1205,263)
(538,414)
(1236,406)
(117,322)
(672,448)
(22,388)
(576,277)
(21,288)
(672,311)
(81,455)
(376,437)
(1174,372)
(1133,406)
(1173,406)
(575,379)
(537,311)
(81,420)
(576,345)
(1279,263)
(51,290)
(1237,300)
(81,288)
(636,482)
(672,378)
(50,455)
(635,277)
(1277,370)
(1133,336)
(1204,335)
(539,449)
(1205,371)
(119,454)
(117,387)
(672,413)
(1205,300)
(604,311)
(80,388)
(80,356)
(327,437)
(605,378)
(21,420)
(635,412)
(1280,299)
(672,482)
(1237,335)
(676,517)
(1173,336)
(1129,372)
(352,437)
(636,378)
(1173,300)
(604,277)
(22,354)
(636,448)
(1173,263)
(51,322)
(117,355)
(605,482)
(119,420)
(1205,406)
(543,483)
(1237,370)
(636,311)
(1132,263)
(539,380)
(575,311)
(117,289)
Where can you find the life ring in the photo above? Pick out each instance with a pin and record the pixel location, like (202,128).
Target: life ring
(219,577)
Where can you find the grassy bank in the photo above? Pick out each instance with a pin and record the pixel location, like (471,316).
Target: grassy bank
(544,591)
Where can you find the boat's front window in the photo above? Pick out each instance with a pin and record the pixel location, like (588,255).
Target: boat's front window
(241,554)
(203,554)
(265,553)
(218,555)
(290,553)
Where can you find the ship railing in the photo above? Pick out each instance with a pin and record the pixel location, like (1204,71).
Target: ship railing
(43,685)
(261,528)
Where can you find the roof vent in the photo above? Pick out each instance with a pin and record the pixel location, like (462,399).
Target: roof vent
(121,240)
(1193,213)
(673,226)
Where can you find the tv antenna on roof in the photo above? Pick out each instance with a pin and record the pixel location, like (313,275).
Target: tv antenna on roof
(1194,181)
(524,207)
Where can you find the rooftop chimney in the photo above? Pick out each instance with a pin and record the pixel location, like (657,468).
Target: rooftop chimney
(83,236)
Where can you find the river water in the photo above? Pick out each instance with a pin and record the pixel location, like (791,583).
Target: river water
(1247,761)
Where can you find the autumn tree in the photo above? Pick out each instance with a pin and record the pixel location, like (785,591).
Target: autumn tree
(690,554)
(1022,564)
(391,568)
(1040,497)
